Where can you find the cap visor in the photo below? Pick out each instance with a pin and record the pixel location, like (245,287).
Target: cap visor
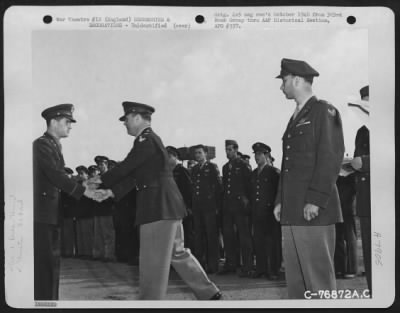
(279,76)
(122,118)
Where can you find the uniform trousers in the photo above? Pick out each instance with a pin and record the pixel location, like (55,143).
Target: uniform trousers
(365,225)
(84,234)
(206,243)
(104,238)
(162,245)
(268,244)
(68,237)
(308,253)
(47,246)
(241,220)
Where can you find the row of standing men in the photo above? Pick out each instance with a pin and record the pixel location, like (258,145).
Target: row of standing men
(229,217)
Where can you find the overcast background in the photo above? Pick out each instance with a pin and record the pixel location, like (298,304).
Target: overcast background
(206,86)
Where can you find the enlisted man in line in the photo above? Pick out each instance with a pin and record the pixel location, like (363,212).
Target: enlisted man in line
(207,191)
(49,179)
(236,211)
(307,202)
(104,232)
(159,210)
(184,183)
(84,218)
(267,234)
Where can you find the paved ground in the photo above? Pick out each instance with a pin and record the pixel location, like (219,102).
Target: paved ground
(96,280)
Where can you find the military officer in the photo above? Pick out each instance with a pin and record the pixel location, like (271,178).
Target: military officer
(184,183)
(236,211)
(104,232)
(307,202)
(160,209)
(361,164)
(84,218)
(267,237)
(69,206)
(49,178)
(207,188)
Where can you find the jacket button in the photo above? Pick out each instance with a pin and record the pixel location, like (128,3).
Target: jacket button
(258,186)
(363,178)
(144,186)
(257,193)
(287,158)
(197,187)
(44,194)
(257,199)
(289,135)
(197,193)
(287,147)
(228,192)
(286,170)
(301,133)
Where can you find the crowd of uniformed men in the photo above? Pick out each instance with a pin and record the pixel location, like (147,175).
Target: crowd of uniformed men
(230,225)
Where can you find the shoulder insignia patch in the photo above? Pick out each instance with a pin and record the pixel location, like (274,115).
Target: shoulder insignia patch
(332,111)
(141,138)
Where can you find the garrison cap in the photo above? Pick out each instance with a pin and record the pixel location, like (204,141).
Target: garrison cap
(100,159)
(261,147)
(364,92)
(135,107)
(230,142)
(82,168)
(68,170)
(297,68)
(199,146)
(61,110)
(246,157)
(93,168)
(174,151)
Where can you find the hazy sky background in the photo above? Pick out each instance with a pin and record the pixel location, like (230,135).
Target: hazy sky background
(206,86)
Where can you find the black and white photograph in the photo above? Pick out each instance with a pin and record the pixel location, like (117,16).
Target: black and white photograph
(148,158)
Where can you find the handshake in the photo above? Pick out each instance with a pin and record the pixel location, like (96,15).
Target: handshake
(92,191)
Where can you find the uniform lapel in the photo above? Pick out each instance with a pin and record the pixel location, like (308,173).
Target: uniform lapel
(302,112)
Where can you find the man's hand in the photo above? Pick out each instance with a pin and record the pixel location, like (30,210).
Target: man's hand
(102,194)
(356,163)
(311,211)
(277,212)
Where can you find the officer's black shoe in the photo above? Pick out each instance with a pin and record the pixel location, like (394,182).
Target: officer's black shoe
(217,296)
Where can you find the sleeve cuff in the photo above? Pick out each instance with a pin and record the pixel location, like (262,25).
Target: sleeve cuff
(317,198)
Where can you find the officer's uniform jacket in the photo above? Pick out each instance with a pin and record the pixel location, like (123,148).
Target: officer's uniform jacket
(313,150)
(49,179)
(184,182)
(264,186)
(363,183)
(236,183)
(147,169)
(207,186)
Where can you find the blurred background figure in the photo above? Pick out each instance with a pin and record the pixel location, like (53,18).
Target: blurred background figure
(184,182)
(69,208)
(361,165)
(104,233)
(346,255)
